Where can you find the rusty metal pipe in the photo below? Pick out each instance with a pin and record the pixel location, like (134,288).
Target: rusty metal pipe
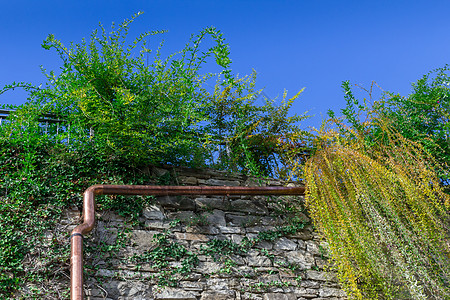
(76,260)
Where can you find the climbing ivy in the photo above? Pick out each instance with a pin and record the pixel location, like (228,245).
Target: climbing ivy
(161,256)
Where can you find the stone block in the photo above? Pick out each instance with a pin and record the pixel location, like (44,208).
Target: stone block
(126,274)
(219,182)
(285,244)
(239,260)
(217,284)
(221,174)
(237,238)
(300,258)
(176,202)
(267,278)
(105,235)
(301,244)
(175,294)
(142,239)
(218,295)
(157,224)
(96,293)
(185,216)
(251,296)
(208,230)
(154,212)
(303,235)
(272,182)
(247,272)
(327,292)
(215,218)
(134,290)
(208,267)
(251,236)
(109,289)
(105,273)
(320,276)
(312,247)
(254,259)
(192,286)
(242,220)
(268,221)
(310,284)
(221,203)
(112,218)
(321,263)
(264,245)
(258,229)
(190,180)
(248,206)
(191,236)
(306,293)
(279,296)
(229,230)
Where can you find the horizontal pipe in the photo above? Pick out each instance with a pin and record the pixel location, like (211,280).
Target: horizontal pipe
(193,190)
(76,274)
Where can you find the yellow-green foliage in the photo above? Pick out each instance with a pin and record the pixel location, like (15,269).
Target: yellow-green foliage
(380,207)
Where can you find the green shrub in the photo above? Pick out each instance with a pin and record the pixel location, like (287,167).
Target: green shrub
(162,112)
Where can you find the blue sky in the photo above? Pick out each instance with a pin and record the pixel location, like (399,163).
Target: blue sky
(291,44)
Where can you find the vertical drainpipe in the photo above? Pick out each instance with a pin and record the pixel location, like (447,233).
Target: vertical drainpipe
(76,245)
(76,259)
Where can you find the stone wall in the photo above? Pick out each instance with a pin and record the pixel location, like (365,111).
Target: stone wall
(189,247)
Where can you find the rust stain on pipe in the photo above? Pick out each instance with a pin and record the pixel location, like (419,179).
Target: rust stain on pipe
(76,260)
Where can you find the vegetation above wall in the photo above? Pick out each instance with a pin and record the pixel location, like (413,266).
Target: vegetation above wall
(137,106)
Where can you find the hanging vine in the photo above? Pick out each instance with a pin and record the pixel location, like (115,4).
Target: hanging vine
(383,212)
